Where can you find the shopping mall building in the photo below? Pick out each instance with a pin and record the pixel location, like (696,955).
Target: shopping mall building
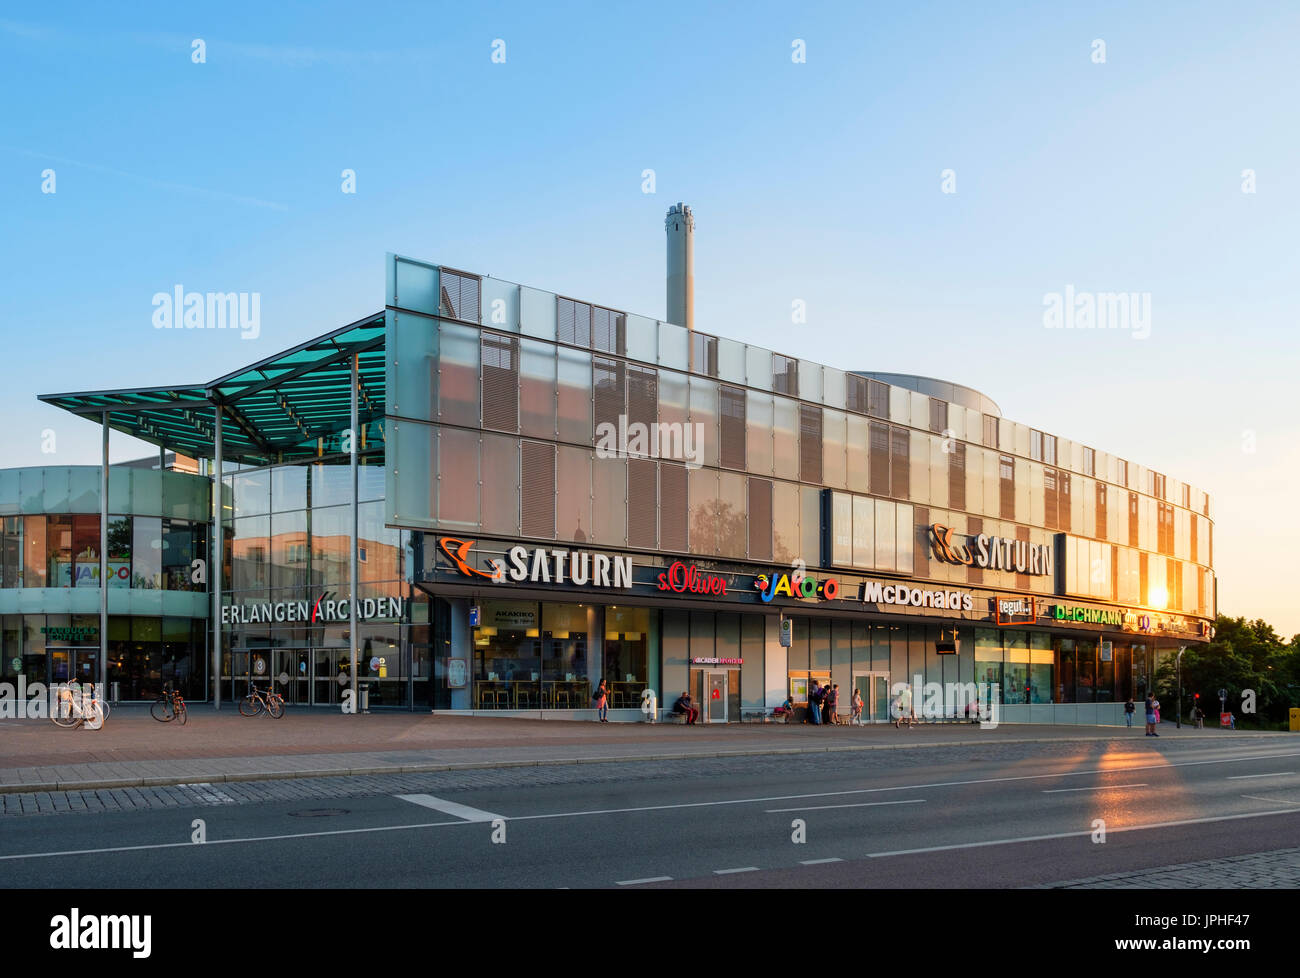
(546,492)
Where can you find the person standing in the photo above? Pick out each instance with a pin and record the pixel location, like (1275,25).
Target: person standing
(830,704)
(856,703)
(1129,710)
(815,702)
(601,699)
(1151,716)
(1156,703)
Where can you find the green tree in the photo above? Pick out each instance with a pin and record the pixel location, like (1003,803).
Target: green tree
(1245,658)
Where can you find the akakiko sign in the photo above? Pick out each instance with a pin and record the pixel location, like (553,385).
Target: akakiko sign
(992,553)
(875,592)
(681,577)
(322,611)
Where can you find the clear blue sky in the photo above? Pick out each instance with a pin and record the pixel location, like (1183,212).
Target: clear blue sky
(816,181)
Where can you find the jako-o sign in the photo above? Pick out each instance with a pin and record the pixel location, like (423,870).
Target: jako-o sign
(808,587)
(992,553)
(680,577)
(873,592)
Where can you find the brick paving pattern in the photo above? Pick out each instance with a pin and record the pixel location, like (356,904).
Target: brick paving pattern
(1279,869)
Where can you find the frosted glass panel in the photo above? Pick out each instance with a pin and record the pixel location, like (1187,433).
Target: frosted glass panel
(642,338)
(674,347)
(885,530)
(731,361)
(537,313)
(500,304)
(417,287)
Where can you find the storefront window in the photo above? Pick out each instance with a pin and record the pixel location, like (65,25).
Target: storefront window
(988,657)
(183,543)
(1041,660)
(58,551)
(146,552)
(507,656)
(35,555)
(119,551)
(568,669)
(1105,672)
(1015,676)
(1087,670)
(627,653)
(11,551)
(1065,671)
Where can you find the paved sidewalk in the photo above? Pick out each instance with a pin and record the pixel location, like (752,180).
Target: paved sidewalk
(1279,869)
(133,750)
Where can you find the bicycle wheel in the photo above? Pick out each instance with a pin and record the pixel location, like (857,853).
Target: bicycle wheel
(181,713)
(106,707)
(275,706)
(162,711)
(250,706)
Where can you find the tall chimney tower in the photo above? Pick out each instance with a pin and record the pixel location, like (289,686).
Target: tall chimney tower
(680,224)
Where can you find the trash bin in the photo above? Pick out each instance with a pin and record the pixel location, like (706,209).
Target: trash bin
(115,694)
(1295,719)
(363,694)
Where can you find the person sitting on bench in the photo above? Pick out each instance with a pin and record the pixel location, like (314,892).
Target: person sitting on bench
(683,705)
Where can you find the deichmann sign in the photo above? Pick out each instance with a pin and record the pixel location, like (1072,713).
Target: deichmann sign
(805,587)
(321,611)
(1088,616)
(874,592)
(992,553)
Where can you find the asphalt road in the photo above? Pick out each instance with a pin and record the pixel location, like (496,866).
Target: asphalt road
(959,817)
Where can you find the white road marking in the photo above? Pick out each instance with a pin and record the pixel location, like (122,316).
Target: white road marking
(1094,787)
(742,869)
(1073,835)
(1275,774)
(451,808)
(861,804)
(648,879)
(818,862)
(1271,801)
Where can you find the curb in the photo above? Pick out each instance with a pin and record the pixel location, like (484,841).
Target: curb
(157,781)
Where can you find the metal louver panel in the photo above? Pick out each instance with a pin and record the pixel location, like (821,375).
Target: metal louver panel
(760,519)
(643,398)
(957,477)
(459,296)
(732,410)
(608,330)
(573,322)
(878,460)
(642,508)
(500,383)
(537,487)
(810,443)
(900,465)
(672,507)
(609,392)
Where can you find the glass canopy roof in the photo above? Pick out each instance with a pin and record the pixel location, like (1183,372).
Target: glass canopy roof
(291,405)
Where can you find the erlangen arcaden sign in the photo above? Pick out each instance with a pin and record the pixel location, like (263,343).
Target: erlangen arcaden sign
(322,611)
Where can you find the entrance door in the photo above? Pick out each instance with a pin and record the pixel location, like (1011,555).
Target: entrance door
(715,689)
(73,665)
(874,687)
(289,667)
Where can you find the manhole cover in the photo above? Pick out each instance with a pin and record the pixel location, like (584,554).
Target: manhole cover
(319,812)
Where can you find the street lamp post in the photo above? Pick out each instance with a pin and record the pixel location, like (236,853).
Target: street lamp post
(1178,721)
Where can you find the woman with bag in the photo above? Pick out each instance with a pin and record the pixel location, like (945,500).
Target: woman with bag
(857,706)
(601,700)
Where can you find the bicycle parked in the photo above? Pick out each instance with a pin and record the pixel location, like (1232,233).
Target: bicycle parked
(169,706)
(77,704)
(258,700)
